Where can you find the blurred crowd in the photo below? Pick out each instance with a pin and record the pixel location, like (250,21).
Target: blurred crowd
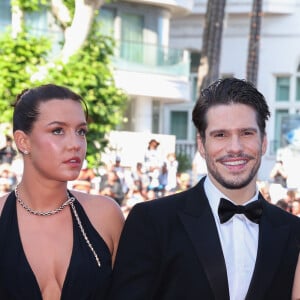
(8,174)
(278,191)
(154,177)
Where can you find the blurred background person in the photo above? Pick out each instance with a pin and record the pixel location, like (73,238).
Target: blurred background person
(153,162)
(278,174)
(111,186)
(172,167)
(8,152)
(199,168)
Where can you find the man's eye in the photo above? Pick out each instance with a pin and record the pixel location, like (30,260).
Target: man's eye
(220,134)
(248,132)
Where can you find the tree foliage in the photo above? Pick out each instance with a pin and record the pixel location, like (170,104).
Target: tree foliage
(29,5)
(27,61)
(19,59)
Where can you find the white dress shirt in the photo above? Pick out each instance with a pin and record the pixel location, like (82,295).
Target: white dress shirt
(239,241)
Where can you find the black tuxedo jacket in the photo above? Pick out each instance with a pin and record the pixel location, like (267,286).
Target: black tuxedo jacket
(170,249)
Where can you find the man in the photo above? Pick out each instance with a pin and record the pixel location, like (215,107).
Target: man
(188,245)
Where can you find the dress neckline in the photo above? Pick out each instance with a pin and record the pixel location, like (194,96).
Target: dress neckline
(28,266)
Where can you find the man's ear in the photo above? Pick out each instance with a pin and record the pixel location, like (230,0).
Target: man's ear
(264,144)
(200,145)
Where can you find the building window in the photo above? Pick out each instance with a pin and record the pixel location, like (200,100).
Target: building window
(179,124)
(297,88)
(282,89)
(107,19)
(279,141)
(290,129)
(37,22)
(5,14)
(132,37)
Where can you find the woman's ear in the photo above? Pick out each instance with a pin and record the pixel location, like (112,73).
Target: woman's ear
(21,141)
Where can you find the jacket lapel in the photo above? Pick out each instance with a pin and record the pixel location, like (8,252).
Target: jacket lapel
(272,240)
(199,223)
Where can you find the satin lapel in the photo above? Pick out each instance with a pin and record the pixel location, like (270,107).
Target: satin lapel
(200,225)
(272,241)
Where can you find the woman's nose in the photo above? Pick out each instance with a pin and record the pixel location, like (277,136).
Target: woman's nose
(75,142)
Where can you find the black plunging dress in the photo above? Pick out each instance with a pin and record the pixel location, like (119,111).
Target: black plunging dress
(85,280)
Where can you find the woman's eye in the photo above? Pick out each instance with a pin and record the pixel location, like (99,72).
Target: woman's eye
(82,132)
(57,131)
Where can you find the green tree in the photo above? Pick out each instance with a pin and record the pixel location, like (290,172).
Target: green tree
(19,58)
(83,64)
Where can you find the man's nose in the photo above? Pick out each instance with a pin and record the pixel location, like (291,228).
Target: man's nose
(235,144)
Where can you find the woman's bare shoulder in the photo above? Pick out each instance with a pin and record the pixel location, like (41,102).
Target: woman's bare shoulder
(106,216)
(95,201)
(99,207)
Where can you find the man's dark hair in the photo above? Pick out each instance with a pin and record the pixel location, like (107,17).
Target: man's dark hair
(229,91)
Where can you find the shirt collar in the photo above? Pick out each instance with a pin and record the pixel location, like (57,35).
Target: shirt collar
(214,194)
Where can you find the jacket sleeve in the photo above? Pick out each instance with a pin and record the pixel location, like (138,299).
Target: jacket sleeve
(137,262)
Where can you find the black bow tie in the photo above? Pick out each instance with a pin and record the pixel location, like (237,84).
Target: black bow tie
(252,210)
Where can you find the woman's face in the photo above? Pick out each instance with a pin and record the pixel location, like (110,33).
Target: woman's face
(57,143)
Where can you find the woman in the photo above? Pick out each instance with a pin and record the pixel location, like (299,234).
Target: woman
(54,243)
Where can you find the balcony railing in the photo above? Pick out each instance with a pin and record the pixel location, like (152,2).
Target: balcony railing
(175,6)
(149,58)
(187,149)
(245,6)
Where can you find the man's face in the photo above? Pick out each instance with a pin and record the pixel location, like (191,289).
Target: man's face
(233,146)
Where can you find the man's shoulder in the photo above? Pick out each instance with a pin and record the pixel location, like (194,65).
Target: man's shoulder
(170,203)
(160,212)
(281,216)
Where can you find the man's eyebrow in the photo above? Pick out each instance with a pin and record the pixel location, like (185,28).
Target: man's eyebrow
(249,129)
(217,131)
(227,130)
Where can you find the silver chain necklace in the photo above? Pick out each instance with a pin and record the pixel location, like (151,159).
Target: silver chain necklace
(70,202)
(85,235)
(43,213)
